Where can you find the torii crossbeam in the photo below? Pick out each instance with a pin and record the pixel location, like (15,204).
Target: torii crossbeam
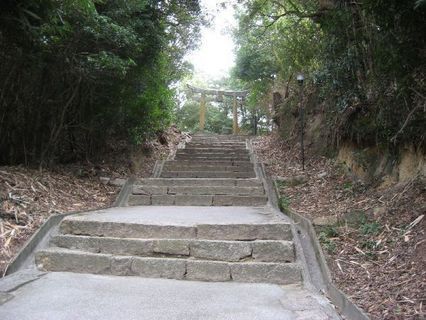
(219,94)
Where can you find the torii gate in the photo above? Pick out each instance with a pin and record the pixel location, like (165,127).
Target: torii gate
(219,96)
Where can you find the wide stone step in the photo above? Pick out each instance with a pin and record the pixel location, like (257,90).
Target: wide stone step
(231,251)
(177,166)
(210,153)
(216,145)
(207,174)
(192,150)
(243,155)
(214,162)
(220,157)
(219,140)
(207,160)
(223,138)
(199,147)
(234,232)
(197,190)
(199,182)
(196,200)
(60,259)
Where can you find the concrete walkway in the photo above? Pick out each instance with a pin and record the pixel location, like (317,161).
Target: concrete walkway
(69,296)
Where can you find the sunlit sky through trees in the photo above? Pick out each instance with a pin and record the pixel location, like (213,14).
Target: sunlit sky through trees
(215,56)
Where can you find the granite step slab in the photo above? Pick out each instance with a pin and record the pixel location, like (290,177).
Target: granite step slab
(214,162)
(233,232)
(65,260)
(217,145)
(196,200)
(200,167)
(242,155)
(195,151)
(191,150)
(220,250)
(207,174)
(213,157)
(197,190)
(211,182)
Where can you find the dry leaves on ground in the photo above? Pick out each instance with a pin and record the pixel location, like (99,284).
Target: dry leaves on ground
(377,249)
(29,196)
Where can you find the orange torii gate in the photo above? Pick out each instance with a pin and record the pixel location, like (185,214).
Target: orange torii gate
(219,97)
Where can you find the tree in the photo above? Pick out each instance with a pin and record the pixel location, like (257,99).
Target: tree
(74,74)
(364,59)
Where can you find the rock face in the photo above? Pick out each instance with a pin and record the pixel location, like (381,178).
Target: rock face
(325,221)
(203,219)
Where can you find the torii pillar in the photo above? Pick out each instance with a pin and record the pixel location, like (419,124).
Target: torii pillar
(235,115)
(202,111)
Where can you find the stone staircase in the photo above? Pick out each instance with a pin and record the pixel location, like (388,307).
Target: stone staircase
(209,171)
(205,218)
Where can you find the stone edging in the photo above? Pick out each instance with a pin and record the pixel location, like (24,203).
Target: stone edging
(126,189)
(158,167)
(340,299)
(42,234)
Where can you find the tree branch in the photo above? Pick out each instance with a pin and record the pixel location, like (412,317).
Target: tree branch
(407,120)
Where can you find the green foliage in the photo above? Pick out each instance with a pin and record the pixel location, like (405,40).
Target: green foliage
(330,232)
(366,60)
(347,185)
(187,116)
(280,184)
(326,236)
(218,118)
(74,74)
(356,218)
(327,242)
(370,228)
(284,203)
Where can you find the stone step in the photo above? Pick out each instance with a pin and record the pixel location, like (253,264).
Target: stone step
(119,229)
(219,139)
(206,174)
(203,160)
(212,151)
(214,162)
(222,137)
(177,166)
(218,152)
(215,148)
(65,260)
(213,154)
(216,145)
(196,200)
(197,190)
(199,182)
(237,156)
(231,251)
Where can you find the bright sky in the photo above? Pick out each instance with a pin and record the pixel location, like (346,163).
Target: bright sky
(215,57)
